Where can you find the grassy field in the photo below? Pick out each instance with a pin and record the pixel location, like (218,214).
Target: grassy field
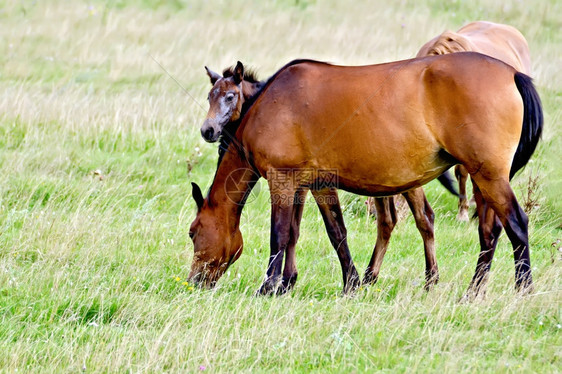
(97,149)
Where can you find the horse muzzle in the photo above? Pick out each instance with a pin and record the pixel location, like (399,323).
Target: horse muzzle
(202,279)
(209,133)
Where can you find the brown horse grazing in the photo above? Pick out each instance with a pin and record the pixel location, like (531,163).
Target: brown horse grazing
(377,130)
(503,42)
(227,97)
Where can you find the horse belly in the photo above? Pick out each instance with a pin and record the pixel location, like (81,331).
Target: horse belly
(380,155)
(387,173)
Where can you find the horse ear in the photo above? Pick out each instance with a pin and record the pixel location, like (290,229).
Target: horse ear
(238,73)
(214,76)
(197,195)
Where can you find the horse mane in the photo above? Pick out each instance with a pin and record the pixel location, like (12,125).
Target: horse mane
(226,138)
(450,42)
(250,75)
(229,131)
(248,103)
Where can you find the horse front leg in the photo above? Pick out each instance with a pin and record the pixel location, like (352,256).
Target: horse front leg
(424,217)
(329,206)
(290,269)
(282,200)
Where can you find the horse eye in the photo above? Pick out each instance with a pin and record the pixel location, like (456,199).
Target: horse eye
(229,98)
(191,234)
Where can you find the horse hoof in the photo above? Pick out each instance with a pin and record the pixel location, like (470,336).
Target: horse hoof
(265,290)
(287,284)
(269,287)
(466,298)
(472,294)
(524,289)
(431,279)
(370,278)
(463,216)
(352,285)
(430,283)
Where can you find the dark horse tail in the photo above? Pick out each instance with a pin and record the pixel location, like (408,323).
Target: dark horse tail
(448,182)
(532,122)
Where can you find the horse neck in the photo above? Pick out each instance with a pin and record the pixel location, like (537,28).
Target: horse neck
(250,89)
(232,184)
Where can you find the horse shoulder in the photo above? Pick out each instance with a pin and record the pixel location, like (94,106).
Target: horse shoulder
(270,128)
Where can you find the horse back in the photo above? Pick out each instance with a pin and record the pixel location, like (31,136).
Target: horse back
(500,41)
(396,122)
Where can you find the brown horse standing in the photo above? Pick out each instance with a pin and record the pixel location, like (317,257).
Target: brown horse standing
(227,98)
(383,129)
(503,42)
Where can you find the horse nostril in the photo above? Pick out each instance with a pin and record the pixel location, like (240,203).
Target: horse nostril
(208,134)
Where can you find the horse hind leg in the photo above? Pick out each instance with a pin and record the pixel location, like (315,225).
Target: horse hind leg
(424,217)
(462,176)
(329,206)
(386,220)
(489,230)
(499,196)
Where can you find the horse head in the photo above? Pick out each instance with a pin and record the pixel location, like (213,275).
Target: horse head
(226,98)
(217,243)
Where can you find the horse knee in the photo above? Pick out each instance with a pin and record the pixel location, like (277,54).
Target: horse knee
(295,233)
(425,222)
(387,222)
(386,225)
(337,234)
(343,232)
(426,229)
(430,214)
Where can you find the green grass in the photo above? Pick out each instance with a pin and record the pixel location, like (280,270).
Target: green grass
(98,147)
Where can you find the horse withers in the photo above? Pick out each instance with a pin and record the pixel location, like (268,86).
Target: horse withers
(385,129)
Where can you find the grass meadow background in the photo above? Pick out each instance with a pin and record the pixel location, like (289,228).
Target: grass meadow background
(98,147)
